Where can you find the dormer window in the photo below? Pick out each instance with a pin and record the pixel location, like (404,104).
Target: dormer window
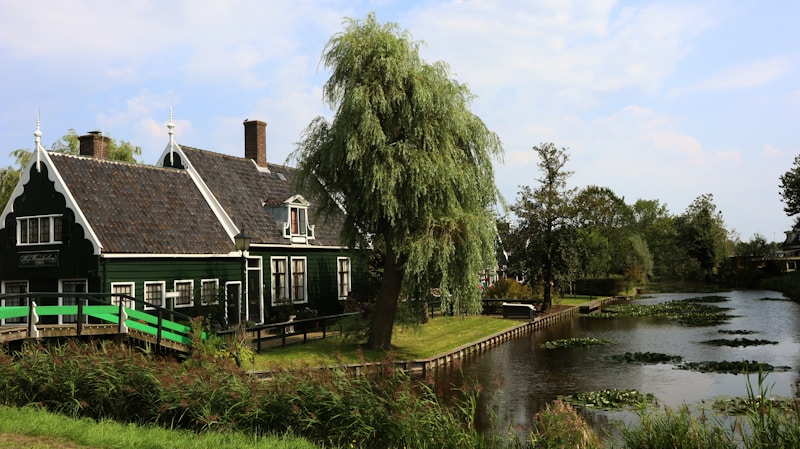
(296,228)
(297,217)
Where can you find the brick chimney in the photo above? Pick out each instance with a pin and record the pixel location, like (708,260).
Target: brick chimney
(94,144)
(255,141)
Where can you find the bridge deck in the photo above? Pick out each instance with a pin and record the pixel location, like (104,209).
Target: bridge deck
(16,333)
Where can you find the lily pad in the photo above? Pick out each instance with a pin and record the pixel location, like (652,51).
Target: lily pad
(573,343)
(611,399)
(742,367)
(646,357)
(739,342)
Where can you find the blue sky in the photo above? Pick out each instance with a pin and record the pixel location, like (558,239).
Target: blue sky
(663,100)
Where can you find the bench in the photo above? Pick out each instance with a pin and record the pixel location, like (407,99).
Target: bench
(518,311)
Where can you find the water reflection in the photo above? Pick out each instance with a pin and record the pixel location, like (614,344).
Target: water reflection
(519,377)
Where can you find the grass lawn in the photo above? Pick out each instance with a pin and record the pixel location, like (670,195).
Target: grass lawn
(33,428)
(440,334)
(574,300)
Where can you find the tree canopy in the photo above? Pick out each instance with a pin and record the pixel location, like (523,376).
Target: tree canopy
(790,189)
(408,162)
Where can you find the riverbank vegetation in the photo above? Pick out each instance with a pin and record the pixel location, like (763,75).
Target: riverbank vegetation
(216,402)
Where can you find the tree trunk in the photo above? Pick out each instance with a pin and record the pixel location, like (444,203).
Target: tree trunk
(380,333)
(548,292)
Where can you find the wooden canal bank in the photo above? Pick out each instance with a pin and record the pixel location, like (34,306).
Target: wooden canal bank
(421,367)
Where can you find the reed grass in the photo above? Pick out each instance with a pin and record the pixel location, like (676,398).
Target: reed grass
(211,394)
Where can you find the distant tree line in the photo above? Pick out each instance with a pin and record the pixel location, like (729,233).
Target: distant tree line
(559,234)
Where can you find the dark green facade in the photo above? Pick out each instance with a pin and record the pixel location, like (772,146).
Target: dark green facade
(78,258)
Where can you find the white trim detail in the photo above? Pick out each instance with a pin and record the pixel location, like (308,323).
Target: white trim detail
(60,187)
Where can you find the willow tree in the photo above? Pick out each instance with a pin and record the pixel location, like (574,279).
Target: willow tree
(409,164)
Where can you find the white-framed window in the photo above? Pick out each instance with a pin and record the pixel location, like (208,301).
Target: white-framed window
(280,287)
(70,286)
(299,278)
(39,230)
(298,224)
(15,287)
(209,291)
(184,289)
(343,276)
(120,290)
(154,294)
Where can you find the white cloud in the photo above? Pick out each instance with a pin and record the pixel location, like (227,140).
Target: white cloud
(753,74)
(592,46)
(769,150)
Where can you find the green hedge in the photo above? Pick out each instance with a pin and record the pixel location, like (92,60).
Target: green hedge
(600,286)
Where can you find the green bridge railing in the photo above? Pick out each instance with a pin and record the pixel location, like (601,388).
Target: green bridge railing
(97,308)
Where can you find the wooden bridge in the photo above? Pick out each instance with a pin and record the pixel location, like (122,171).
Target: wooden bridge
(93,314)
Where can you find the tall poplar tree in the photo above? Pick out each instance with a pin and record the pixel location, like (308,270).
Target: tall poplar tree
(546,218)
(408,162)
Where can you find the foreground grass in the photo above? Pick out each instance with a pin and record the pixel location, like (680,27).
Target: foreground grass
(31,427)
(440,334)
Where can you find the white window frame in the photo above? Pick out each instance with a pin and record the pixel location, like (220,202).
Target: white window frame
(132,287)
(205,294)
(62,319)
(303,288)
(178,297)
(300,222)
(343,277)
(147,298)
(51,233)
(275,295)
(14,321)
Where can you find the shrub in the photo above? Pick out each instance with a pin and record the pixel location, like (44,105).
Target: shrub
(600,286)
(511,289)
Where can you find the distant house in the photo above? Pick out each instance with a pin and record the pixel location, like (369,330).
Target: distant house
(165,233)
(789,252)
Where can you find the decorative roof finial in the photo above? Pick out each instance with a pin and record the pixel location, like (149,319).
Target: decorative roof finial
(38,139)
(171,127)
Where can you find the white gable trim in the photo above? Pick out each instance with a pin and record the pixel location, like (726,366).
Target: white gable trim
(216,207)
(60,187)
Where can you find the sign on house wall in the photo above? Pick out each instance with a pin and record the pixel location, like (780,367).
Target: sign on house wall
(38,259)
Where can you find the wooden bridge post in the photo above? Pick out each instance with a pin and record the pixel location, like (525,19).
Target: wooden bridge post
(160,327)
(79,325)
(123,317)
(33,319)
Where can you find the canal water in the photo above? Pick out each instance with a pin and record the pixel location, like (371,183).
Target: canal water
(520,377)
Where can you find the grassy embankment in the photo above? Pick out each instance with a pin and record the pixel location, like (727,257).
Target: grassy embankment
(439,335)
(33,428)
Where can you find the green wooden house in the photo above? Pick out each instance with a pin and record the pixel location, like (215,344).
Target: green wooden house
(166,233)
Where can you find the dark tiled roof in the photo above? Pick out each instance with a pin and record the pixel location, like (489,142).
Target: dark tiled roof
(245,192)
(136,208)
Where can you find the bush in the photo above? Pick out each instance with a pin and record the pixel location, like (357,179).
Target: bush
(511,289)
